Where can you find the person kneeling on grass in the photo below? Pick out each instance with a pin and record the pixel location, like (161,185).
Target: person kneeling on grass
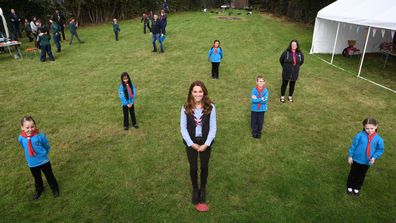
(45,45)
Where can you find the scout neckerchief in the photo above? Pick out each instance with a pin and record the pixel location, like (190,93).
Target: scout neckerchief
(198,121)
(259,94)
(294,57)
(215,50)
(30,146)
(370,138)
(130,90)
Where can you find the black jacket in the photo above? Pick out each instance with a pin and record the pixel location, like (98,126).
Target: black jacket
(60,19)
(290,71)
(156,27)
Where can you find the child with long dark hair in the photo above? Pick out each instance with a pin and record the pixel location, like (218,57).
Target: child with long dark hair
(366,148)
(198,129)
(127,95)
(36,147)
(215,55)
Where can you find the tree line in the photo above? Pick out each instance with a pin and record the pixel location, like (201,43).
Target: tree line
(99,11)
(301,10)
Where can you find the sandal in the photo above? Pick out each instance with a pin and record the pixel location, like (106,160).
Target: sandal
(290,99)
(282,99)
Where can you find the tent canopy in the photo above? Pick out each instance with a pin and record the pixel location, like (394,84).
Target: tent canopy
(354,17)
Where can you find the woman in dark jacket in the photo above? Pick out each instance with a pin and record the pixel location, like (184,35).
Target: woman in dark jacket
(291,60)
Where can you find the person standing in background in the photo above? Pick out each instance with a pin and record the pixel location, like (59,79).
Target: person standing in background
(15,20)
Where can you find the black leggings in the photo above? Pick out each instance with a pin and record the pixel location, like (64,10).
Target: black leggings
(204,156)
(38,181)
(291,87)
(131,110)
(357,175)
(215,70)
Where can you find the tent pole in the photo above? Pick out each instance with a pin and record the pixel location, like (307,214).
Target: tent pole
(4,23)
(335,43)
(364,51)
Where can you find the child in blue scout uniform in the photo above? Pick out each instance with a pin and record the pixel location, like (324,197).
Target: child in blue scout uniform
(198,129)
(55,31)
(127,95)
(45,45)
(116,28)
(366,148)
(259,98)
(36,149)
(215,55)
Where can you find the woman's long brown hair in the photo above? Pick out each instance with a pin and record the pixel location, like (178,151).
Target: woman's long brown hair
(190,103)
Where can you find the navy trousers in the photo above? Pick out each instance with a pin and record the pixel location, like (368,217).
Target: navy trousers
(44,51)
(257,122)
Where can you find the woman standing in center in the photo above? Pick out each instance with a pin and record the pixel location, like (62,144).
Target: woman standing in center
(198,129)
(291,60)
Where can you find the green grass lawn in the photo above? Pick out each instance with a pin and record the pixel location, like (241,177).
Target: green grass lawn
(296,173)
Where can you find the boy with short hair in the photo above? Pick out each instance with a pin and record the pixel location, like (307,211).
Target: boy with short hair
(73,25)
(116,28)
(259,99)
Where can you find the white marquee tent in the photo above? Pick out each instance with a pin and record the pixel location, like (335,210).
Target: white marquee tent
(369,22)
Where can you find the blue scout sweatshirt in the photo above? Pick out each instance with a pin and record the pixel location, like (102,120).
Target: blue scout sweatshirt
(121,95)
(359,145)
(215,58)
(40,146)
(256,102)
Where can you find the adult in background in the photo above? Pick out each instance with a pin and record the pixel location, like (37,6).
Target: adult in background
(34,29)
(165,6)
(55,32)
(198,129)
(60,19)
(28,30)
(164,21)
(146,22)
(15,20)
(291,60)
(157,31)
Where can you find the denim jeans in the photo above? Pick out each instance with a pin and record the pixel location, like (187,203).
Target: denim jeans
(155,38)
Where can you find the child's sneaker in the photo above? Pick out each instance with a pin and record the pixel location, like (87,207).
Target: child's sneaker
(349,191)
(356,192)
